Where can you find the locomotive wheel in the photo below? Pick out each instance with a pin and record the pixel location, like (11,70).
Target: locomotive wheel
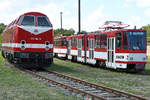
(10,58)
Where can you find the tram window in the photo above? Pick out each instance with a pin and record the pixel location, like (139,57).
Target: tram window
(82,41)
(118,40)
(87,43)
(55,42)
(101,41)
(62,42)
(74,42)
(65,42)
(125,40)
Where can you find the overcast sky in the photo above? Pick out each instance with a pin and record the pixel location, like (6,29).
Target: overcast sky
(94,12)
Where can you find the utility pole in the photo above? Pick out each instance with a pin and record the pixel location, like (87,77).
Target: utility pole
(79,17)
(61,22)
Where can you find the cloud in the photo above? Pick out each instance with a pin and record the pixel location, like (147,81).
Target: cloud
(134,21)
(10,10)
(143,3)
(147,12)
(128,3)
(138,3)
(94,19)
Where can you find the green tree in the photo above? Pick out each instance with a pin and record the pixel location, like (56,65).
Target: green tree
(147,28)
(2,27)
(64,32)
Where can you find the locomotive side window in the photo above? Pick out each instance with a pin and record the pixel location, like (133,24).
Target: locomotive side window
(28,20)
(43,21)
(118,40)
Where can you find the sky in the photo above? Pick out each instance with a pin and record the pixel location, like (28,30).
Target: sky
(93,12)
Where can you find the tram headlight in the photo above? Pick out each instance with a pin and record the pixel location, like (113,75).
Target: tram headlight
(131,58)
(144,58)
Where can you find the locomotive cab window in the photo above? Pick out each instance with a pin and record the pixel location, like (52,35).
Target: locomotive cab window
(43,21)
(118,40)
(28,20)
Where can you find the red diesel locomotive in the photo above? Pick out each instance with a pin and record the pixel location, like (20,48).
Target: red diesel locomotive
(29,39)
(117,49)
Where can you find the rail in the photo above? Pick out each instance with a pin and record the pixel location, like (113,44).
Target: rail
(104,93)
(98,86)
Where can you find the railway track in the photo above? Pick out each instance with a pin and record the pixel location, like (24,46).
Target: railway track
(83,88)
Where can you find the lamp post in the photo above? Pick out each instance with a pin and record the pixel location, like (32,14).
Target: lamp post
(61,22)
(79,18)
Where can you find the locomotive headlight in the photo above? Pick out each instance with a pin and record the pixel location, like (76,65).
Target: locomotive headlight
(22,47)
(47,45)
(23,42)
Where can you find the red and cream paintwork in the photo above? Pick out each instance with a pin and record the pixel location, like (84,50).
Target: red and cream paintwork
(60,49)
(28,37)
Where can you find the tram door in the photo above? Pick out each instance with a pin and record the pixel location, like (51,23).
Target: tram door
(79,47)
(68,49)
(91,48)
(111,52)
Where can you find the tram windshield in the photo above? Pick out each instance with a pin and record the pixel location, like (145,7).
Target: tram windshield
(136,40)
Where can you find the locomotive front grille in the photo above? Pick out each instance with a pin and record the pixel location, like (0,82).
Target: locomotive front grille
(33,55)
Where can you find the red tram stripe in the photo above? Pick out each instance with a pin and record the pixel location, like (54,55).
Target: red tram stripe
(100,59)
(130,62)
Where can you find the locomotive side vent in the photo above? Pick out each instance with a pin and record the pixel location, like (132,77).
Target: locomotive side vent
(23,42)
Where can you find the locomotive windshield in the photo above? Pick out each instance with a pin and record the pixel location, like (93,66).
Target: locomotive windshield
(28,20)
(43,21)
(135,40)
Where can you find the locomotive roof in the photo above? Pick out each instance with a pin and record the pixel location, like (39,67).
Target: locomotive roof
(34,13)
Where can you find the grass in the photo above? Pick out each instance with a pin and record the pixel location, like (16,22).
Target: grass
(148,58)
(133,83)
(148,39)
(15,85)
(0,40)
